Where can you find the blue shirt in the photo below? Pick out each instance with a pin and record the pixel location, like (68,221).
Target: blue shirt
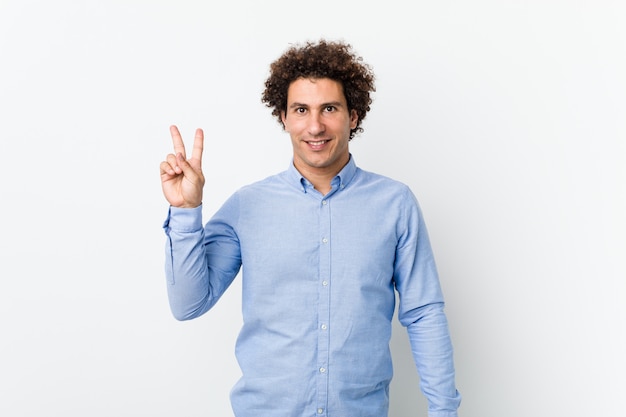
(319,275)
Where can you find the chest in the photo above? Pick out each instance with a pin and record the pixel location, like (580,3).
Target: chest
(353,233)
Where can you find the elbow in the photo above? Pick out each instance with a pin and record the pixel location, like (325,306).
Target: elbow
(423,313)
(184,311)
(182,316)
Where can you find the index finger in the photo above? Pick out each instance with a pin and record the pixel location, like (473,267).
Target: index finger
(179,146)
(198,146)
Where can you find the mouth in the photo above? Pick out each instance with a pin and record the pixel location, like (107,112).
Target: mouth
(317,144)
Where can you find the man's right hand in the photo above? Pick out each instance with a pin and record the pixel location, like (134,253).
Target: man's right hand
(181,178)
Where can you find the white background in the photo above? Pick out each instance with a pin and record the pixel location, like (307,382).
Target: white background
(506,118)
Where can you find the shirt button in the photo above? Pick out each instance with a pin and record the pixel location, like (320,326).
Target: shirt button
(320,410)
(324,327)
(324,283)
(324,202)
(325,240)
(322,370)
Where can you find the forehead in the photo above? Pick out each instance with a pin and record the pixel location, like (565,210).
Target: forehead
(313,91)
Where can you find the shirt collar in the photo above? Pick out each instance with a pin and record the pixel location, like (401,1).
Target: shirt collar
(341,180)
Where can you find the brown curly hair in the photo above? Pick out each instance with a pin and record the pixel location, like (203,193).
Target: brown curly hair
(322,59)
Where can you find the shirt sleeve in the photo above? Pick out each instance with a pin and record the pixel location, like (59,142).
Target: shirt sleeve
(421,311)
(200,263)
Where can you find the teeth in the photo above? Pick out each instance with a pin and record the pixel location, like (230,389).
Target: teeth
(321,142)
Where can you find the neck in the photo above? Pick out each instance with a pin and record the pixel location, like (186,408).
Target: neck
(320,178)
(320,181)
(321,185)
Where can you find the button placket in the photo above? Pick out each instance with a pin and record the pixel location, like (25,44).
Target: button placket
(323,305)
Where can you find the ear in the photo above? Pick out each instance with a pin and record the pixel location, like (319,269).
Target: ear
(354,118)
(283,118)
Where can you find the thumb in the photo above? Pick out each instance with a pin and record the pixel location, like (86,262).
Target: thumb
(188,171)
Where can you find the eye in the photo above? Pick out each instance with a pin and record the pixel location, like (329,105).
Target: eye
(330,109)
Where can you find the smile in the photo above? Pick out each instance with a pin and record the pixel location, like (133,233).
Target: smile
(317,143)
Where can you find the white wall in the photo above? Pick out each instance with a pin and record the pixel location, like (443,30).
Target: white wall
(507,118)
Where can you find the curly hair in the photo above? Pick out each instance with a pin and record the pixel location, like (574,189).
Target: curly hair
(322,59)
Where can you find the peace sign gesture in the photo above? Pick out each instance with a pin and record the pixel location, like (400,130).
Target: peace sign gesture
(181,178)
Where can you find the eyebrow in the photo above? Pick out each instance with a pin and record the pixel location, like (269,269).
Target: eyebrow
(331,103)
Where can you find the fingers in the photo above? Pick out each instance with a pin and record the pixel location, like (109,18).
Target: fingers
(181,178)
(183,166)
(176,165)
(198,146)
(179,146)
(177,161)
(166,169)
(170,165)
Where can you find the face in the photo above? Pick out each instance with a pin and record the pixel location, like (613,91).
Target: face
(319,123)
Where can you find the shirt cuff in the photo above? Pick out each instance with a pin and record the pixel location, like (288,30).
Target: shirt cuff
(184,219)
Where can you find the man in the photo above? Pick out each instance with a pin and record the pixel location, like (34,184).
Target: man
(323,245)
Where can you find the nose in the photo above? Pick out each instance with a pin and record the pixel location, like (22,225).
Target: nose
(316,125)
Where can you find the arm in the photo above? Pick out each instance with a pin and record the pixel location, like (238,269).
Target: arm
(421,312)
(196,280)
(200,263)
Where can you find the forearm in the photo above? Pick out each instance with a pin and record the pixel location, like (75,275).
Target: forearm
(185,264)
(200,263)
(433,354)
